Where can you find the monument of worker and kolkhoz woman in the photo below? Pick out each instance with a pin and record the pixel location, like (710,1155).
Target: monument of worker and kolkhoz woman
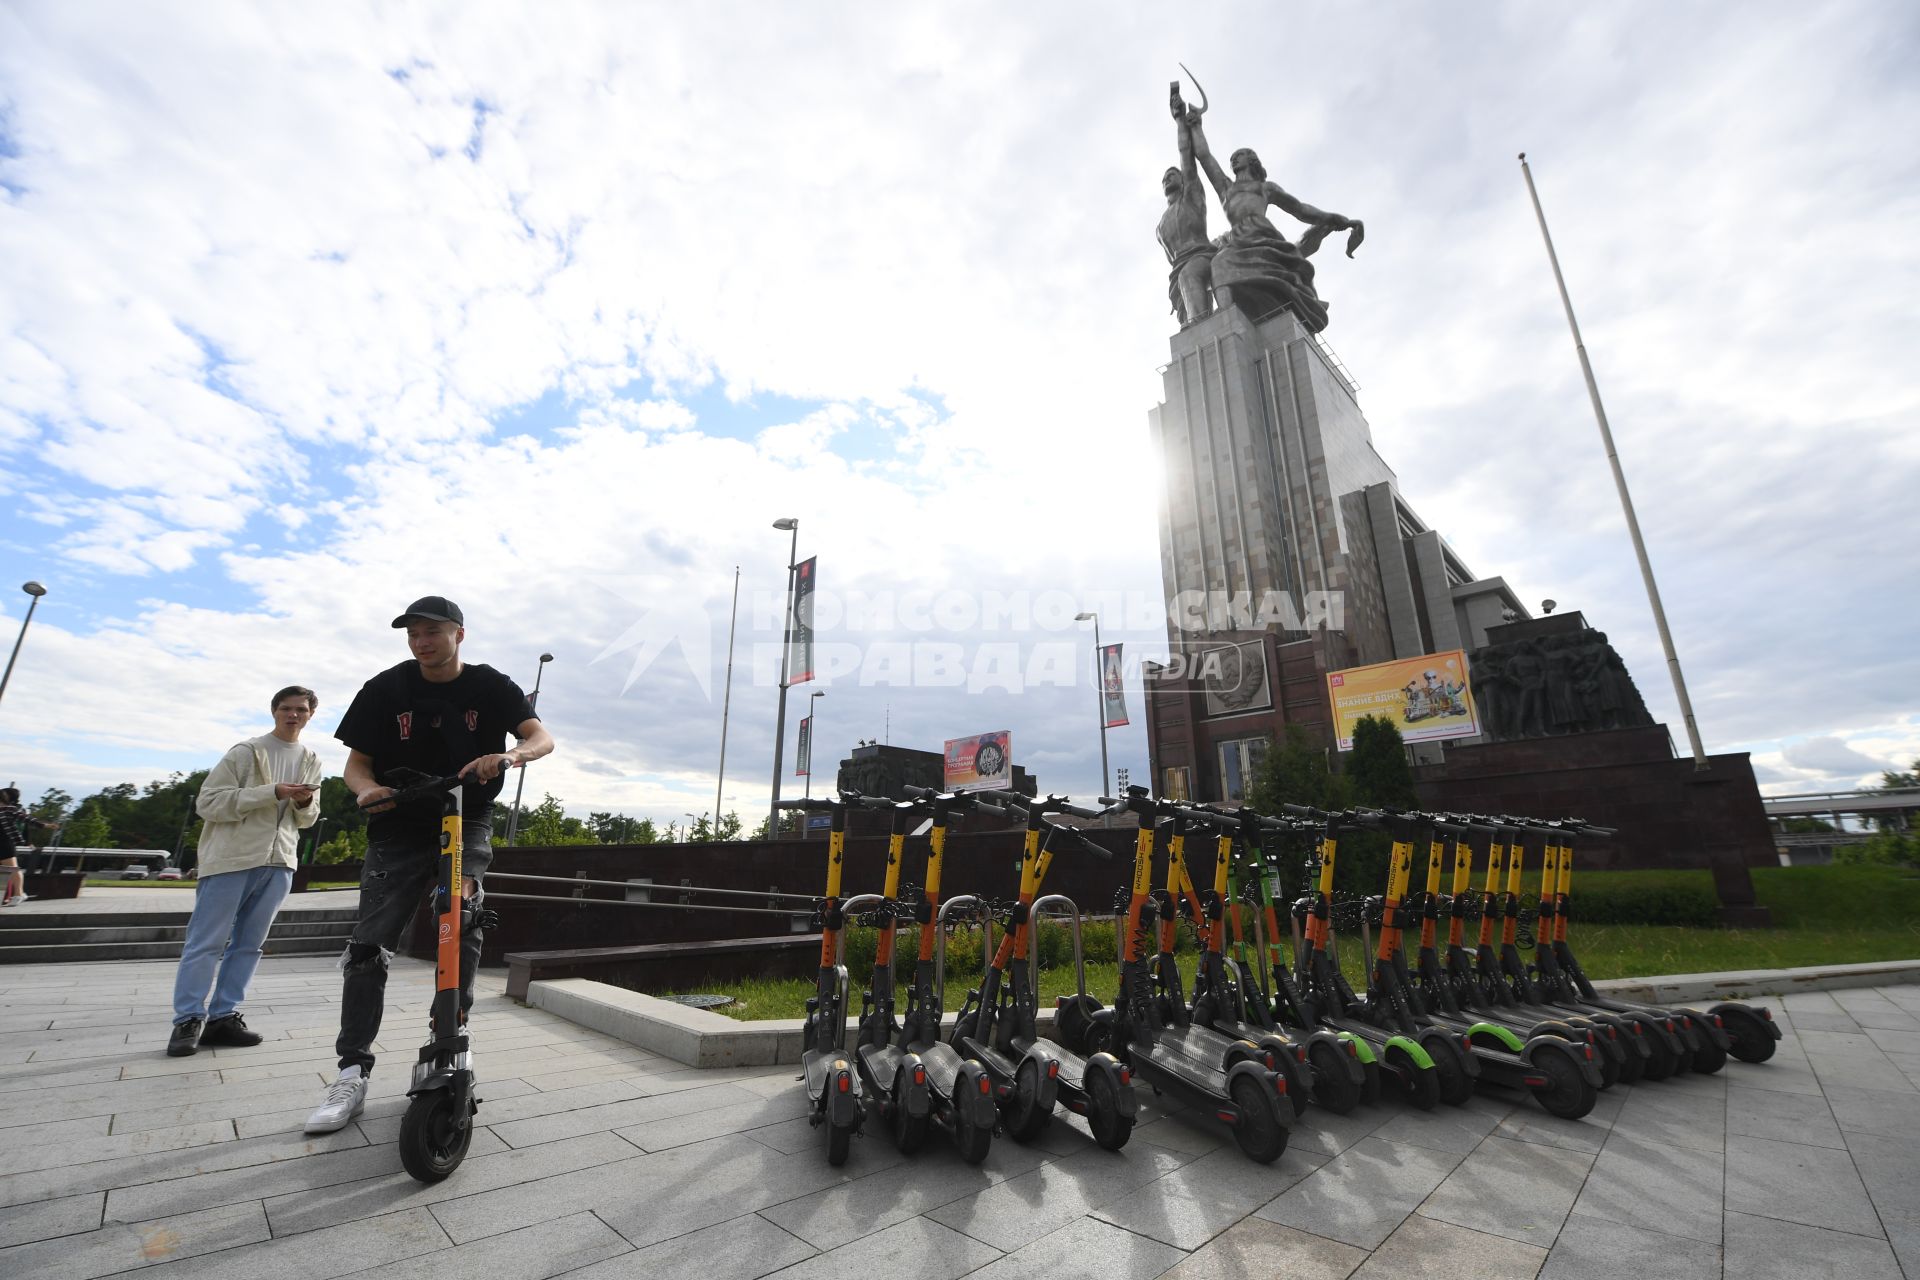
(1289,553)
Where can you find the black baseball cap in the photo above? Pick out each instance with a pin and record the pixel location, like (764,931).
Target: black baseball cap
(433,609)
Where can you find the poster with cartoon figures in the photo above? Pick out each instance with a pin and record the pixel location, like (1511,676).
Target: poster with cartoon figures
(1426,698)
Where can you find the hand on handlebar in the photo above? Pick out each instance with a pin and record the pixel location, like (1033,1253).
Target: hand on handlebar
(487,767)
(376,799)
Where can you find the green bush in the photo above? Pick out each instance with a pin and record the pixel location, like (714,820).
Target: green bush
(1887,849)
(1642,897)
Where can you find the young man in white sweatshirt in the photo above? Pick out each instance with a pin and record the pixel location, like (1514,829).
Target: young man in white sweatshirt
(255,803)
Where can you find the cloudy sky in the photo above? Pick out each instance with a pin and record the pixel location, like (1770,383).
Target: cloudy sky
(308,310)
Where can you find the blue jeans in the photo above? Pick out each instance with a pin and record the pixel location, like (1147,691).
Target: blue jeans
(232,912)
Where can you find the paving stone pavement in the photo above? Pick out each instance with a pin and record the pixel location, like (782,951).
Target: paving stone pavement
(599,1160)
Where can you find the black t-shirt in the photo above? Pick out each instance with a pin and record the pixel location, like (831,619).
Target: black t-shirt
(399,719)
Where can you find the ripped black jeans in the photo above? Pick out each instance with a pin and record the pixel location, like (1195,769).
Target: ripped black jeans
(397,875)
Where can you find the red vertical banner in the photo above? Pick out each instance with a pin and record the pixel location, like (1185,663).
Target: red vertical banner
(801,758)
(800,653)
(1112,686)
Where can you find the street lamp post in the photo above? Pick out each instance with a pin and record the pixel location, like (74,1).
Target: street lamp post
(813,734)
(1099,698)
(35,590)
(788,524)
(520,787)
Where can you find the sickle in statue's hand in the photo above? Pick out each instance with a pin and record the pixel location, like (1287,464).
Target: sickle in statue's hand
(1355,235)
(1197,89)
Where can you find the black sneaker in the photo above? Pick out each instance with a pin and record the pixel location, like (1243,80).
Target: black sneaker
(230,1030)
(185,1040)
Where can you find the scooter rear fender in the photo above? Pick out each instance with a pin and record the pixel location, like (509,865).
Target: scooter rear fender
(1105,1063)
(1582,1055)
(973,1088)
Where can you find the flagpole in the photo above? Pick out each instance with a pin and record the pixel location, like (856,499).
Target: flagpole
(726,702)
(1620,483)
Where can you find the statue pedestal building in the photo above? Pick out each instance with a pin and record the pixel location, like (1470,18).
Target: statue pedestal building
(1287,551)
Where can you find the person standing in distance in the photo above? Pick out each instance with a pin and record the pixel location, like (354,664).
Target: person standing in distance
(439,716)
(255,803)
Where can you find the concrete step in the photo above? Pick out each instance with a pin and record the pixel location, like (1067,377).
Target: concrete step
(172,933)
(12,920)
(67,952)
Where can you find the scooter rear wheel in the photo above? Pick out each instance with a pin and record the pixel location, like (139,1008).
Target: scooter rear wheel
(909,1131)
(1261,1133)
(1333,1088)
(1752,1039)
(839,1143)
(1423,1083)
(1662,1057)
(1110,1129)
(1567,1093)
(1296,1074)
(973,1141)
(1709,1057)
(1025,1118)
(1370,1083)
(1635,1066)
(1450,1071)
(433,1137)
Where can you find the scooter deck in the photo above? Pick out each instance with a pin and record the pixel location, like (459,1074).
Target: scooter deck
(1205,1048)
(880,1063)
(998,1064)
(1169,1068)
(1073,1067)
(819,1065)
(943,1063)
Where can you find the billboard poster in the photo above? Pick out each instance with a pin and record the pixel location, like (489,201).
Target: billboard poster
(980,763)
(1113,700)
(800,653)
(1426,698)
(802,757)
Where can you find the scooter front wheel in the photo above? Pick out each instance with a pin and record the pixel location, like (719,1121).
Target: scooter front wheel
(434,1136)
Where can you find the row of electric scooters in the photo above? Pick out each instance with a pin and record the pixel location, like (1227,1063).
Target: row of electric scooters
(1269,1021)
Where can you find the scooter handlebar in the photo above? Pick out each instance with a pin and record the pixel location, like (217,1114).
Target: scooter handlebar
(810,804)
(1078,840)
(410,785)
(1080,811)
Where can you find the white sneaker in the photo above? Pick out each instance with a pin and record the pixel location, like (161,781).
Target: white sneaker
(346,1098)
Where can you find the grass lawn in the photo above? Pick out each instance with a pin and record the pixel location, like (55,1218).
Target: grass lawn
(1823,915)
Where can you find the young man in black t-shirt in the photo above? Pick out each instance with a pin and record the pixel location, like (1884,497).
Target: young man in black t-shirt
(440,716)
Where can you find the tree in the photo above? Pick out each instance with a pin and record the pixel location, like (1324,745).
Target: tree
(1377,766)
(346,846)
(1892,780)
(1296,772)
(789,827)
(547,823)
(52,806)
(88,829)
(618,828)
